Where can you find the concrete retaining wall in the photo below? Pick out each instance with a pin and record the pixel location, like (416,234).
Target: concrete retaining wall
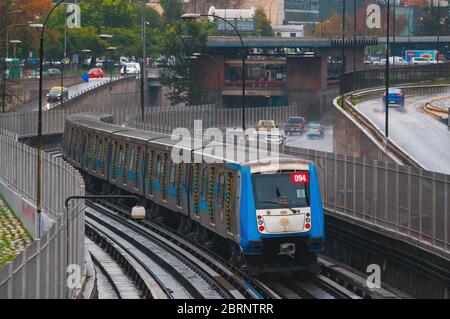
(28,89)
(23,209)
(406,267)
(123,92)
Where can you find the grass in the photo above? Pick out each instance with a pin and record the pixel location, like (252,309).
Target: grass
(13,236)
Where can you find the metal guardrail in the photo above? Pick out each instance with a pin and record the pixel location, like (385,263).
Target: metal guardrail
(396,153)
(167,120)
(369,78)
(403,201)
(40,270)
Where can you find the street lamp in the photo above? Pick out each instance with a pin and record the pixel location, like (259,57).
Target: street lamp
(39,137)
(387,72)
(111,50)
(219,97)
(5,31)
(137,212)
(15,42)
(194,16)
(63,65)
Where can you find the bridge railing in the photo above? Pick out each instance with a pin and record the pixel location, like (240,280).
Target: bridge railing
(370,78)
(405,202)
(167,120)
(40,270)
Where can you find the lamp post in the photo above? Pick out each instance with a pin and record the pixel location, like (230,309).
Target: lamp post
(387,72)
(64,64)
(5,39)
(142,65)
(15,43)
(194,16)
(137,212)
(219,96)
(39,137)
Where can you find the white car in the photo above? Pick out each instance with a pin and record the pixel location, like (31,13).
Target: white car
(130,68)
(419,61)
(275,138)
(397,60)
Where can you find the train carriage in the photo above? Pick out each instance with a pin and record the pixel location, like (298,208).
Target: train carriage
(266,209)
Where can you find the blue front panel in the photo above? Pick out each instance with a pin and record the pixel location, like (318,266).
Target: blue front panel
(249,229)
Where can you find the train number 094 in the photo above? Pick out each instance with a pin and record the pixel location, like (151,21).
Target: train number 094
(300,178)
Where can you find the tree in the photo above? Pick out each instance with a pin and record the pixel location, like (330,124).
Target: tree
(172,11)
(263,27)
(177,44)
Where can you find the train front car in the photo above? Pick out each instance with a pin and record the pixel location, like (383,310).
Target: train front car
(281,217)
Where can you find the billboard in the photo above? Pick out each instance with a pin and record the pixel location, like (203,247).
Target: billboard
(427,54)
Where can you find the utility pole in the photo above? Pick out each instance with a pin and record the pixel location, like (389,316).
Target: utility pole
(387,73)
(63,64)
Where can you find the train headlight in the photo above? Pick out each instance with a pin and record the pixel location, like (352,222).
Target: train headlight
(260,222)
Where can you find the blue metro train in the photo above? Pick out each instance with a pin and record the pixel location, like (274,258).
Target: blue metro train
(263,217)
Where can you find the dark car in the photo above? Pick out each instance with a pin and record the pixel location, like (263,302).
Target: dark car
(57,94)
(314,130)
(294,125)
(396,97)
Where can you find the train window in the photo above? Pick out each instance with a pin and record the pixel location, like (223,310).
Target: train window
(114,160)
(81,142)
(94,153)
(137,166)
(124,163)
(221,190)
(173,169)
(163,176)
(99,158)
(158,166)
(86,149)
(131,159)
(204,184)
(120,157)
(150,171)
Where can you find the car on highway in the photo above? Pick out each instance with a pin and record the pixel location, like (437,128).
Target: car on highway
(275,138)
(52,72)
(266,124)
(95,73)
(420,61)
(130,68)
(395,97)
(57,94)
(314,130)
(294,124)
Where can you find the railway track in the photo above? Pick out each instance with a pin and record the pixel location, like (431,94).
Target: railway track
(332,283)
(181,270)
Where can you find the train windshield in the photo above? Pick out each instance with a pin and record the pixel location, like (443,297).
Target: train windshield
(274,191)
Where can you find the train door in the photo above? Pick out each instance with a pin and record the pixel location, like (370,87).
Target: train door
(195,191)
(150,173)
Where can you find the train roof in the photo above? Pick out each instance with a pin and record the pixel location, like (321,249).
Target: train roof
(101,122)
(143,136)
(210,151)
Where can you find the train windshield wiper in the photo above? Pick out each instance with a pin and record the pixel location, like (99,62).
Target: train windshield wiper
(280,204)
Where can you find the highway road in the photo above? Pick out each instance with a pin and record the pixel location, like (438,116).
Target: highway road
(33,105)
(324,145)
(424,138)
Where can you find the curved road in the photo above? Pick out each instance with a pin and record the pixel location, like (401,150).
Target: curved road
(33,105)
(424,138)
